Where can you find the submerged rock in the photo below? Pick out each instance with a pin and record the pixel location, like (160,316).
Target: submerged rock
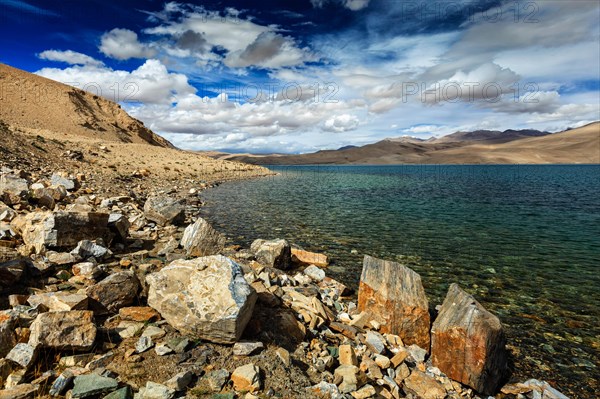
(207,297)
(273,253)
(468,343)
(200,239)
(394,296)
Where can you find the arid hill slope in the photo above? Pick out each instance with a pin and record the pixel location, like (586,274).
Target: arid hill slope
(32,102)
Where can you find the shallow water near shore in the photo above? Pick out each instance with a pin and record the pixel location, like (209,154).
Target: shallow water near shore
(524,240)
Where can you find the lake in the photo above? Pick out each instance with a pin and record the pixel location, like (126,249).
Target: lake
(524,240)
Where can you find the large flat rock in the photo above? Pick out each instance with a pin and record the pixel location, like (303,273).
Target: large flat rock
(394,296)
(74,330)
(207,297)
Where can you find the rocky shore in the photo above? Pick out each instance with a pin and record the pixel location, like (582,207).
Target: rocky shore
(139,297)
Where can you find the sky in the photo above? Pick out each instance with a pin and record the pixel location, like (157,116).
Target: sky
(295,77)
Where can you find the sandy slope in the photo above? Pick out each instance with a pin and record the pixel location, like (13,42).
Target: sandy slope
(41,132)
(32,102)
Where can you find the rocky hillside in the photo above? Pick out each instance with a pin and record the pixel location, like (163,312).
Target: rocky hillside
(136,296)
(28,101)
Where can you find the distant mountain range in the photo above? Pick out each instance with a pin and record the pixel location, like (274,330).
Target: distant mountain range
(581,145)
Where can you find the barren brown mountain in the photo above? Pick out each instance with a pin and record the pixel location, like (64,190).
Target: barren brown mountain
(581,145)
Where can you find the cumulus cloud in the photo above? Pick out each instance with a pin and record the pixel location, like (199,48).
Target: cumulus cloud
(341,123)
(69,57)
(151,83)
(123,44)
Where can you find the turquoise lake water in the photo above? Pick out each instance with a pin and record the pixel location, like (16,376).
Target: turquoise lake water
(524,240)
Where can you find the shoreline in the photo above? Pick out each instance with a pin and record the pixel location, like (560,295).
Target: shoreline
(101,289)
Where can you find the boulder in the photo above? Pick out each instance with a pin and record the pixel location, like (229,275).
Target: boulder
(59,301)
(207,297)
(42,230)
(468,343)
(115,291)
(394,296)
(23,354)
(306,258)
(200,239)
(13,189)
(74,330)
(165,210)
(43,197)
(315,273)
(273,253)
(8,323)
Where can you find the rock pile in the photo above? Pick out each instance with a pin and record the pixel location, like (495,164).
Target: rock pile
(115,298)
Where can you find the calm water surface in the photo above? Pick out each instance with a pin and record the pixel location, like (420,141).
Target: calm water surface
(525,240)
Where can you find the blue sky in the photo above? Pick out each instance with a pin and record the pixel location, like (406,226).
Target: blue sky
(301,76)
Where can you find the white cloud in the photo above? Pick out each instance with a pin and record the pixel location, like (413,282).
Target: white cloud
(69,57)
(151,83)
(123,44)
(341,123)
(269,50)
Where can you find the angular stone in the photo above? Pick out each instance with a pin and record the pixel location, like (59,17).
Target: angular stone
(57,180)
(315,273)
(165,210)
(8,322)
(116,291)
(383,362)
(303,258)
(13,189)
(59,301)
(88,270)
(22,354)
(365,392)
(180,381)
(375,342)
(154,332)
(200,239)
(76,360)
(42,230)
(424,386)
(162,349)
(12,271)
(247,348)
(61,258)
(92,385)
(87,249)
(417,353)
(206,298)
(123,393)
(247,378)
(43,197)
(214,380)
(284,355)
(348,378)
(394,296)
(155,391)
(273,253)
(22,391)
(347,356)
(143,344)
(138,313)
(468,343)
(64,380)
(74,330)
(119,225)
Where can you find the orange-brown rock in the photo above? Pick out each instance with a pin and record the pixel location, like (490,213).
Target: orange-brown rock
(394,296)
(302,257)
(138,313)
(468,343)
